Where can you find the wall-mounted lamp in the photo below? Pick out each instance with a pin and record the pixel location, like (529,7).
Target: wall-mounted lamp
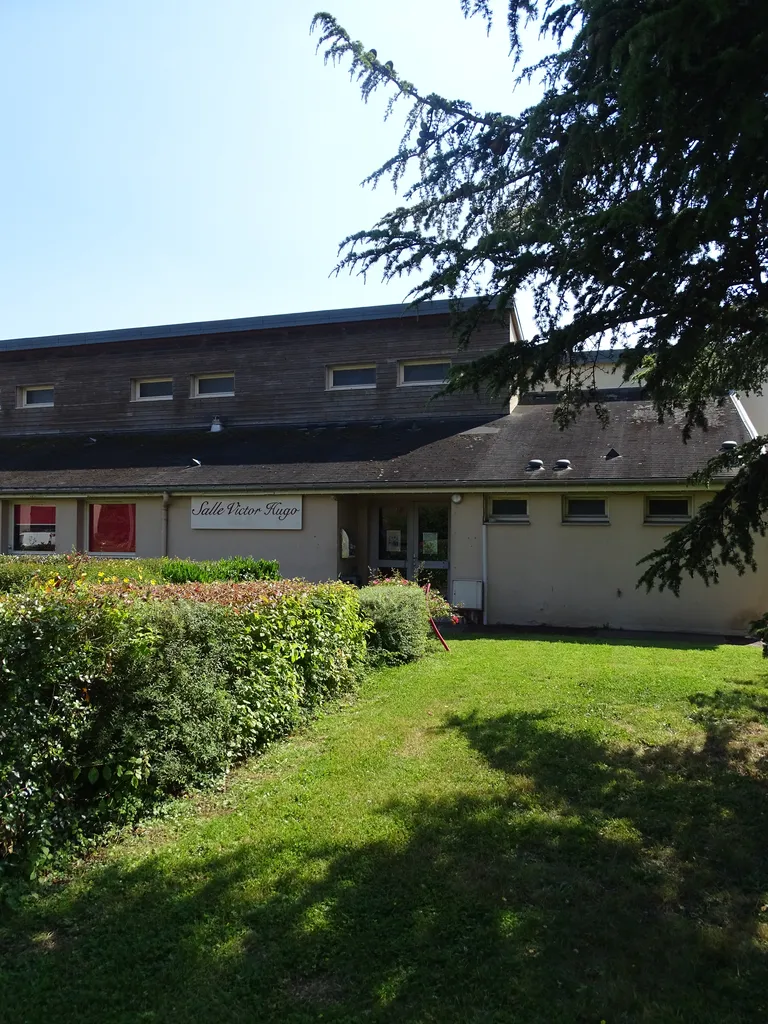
(456,499)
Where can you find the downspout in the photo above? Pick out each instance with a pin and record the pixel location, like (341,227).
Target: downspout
(485,574)
(164,525)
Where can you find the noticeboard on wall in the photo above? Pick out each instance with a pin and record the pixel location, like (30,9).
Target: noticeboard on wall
(260,512)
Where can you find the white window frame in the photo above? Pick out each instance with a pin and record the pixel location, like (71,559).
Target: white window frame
(197,377)
(331,369)
(136,383)
(653,520)
(592,520)
(491,518)
(21,396)
(435,361)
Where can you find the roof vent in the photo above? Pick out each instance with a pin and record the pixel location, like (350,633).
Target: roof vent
(612,454)
(728,446)
(534,465)
(561,464)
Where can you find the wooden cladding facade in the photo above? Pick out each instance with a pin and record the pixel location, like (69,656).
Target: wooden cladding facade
(280,378)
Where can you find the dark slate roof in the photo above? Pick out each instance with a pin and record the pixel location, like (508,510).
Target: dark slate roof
(247,323)
(430,453)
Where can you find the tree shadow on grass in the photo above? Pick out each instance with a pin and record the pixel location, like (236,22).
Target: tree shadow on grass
(590,884)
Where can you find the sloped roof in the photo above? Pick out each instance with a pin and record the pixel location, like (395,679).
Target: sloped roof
(279,321)
(433,453)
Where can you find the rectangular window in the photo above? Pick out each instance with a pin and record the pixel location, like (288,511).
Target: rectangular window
(35,396)
(585,510)
(667,510)
(34,528)
(213,385)
(507,510)
(362,376)
(112,528)
(424,371)
(151,389)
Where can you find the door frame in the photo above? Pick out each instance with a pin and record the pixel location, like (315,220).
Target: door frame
(410,564)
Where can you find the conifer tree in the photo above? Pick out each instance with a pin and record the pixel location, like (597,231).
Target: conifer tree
(632,199)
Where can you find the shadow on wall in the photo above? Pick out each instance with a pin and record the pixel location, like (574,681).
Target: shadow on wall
(594,884)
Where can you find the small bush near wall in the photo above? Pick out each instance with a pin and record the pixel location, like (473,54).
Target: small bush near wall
(17,572)
(180,570)
(400,617)
(111,699)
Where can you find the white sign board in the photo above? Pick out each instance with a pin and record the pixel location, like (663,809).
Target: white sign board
(261,512)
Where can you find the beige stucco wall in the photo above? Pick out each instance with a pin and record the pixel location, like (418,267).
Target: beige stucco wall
(149,519)
(72,522)
(310,552)
(585,575)
(66,521)
(466,549)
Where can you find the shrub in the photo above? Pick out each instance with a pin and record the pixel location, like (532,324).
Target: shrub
(111,700)
(399,614)
(17,572)
(243,569)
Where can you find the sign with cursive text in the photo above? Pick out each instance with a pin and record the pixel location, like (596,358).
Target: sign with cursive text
(260,512)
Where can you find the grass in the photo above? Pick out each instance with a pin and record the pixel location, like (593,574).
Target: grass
(535,831)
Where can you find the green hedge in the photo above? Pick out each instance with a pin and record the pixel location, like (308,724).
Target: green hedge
(17,572)
(110,702)
(400,618)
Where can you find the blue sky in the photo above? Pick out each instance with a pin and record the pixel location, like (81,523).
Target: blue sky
(179,160)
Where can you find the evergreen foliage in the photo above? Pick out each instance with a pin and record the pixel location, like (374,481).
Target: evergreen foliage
(632,198)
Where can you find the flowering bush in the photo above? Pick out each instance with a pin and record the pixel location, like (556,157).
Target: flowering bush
(17,572)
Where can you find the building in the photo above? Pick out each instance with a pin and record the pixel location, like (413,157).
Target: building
(318,439)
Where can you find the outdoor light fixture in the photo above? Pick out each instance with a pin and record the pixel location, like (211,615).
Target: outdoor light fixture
(456,499)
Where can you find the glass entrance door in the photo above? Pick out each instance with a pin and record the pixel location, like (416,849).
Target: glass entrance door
(413,539)
(393,539)
(432,532)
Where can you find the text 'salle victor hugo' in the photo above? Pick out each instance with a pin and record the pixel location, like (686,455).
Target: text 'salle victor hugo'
(266,512)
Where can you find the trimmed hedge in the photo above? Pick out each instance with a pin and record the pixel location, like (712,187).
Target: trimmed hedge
(400,618)
(17,572)
(111,701)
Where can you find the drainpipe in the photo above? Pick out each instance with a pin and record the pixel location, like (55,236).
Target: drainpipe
(164,526)
(485,574)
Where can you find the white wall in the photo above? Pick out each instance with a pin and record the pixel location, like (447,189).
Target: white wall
(756,407)
(606,376)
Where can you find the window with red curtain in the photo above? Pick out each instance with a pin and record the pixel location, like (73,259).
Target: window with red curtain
(112,528)
(34,528)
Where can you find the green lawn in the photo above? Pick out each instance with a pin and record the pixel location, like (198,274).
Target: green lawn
(533,831)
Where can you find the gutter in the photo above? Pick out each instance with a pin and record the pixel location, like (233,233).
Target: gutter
(485,573)
(164,524)
(671,483)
